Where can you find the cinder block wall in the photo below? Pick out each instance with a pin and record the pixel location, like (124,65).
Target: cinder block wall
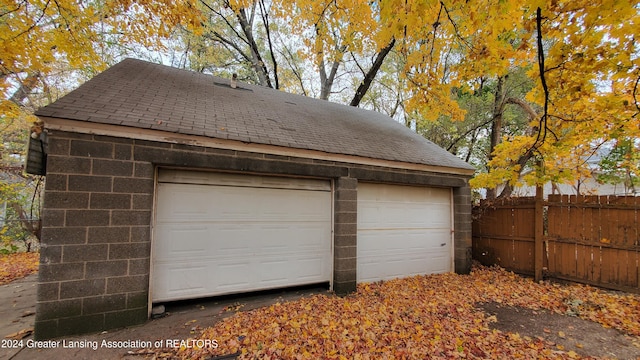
(97,215)
(345,225)
(462,224)
(94,270)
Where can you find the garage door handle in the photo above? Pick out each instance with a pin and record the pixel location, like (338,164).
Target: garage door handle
(443,244)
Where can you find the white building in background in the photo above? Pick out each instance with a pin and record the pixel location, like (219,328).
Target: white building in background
(585,186)
(588,185)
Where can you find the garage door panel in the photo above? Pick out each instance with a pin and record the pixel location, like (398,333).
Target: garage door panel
(237,240)
(228,239)
(220,204)
(386,268)
(273,271)
(394,215)
(227,274)
(177,176)
(310,268)
(402,240)
(176,194)
(402,231)
(189,280)
(398,193)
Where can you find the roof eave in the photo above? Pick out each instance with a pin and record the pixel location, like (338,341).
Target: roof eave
(84,127)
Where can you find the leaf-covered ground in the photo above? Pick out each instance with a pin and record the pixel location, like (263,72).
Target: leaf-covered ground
(433,316)
(18,265)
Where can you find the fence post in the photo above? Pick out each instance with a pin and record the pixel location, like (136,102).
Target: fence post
(538,247)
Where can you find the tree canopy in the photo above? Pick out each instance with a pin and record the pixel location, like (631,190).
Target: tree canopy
(444,65)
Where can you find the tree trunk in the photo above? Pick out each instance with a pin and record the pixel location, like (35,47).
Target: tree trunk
(371,74)
(274,62)
(32,226)
(256,60)
(522,160)
(496,127)
(326,82)
(474,139)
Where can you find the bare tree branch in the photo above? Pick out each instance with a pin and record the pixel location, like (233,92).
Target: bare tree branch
(455,27)
(9,11)
(635,95)
(26,87)
(35,23)
(253,56)
(229,24)
(265,21)
(227,42)
(461,137)
(289,58)
(353,57)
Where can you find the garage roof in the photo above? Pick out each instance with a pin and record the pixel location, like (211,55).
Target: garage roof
(139,94)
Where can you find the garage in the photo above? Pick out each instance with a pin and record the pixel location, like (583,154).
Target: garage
(165,184)
(222,233)
(403,231)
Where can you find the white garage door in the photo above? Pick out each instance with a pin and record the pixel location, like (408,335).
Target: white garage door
(227,233)
(403,231)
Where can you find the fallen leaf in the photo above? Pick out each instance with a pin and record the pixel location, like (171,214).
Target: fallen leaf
(408,318)
(18,265)
(20,334)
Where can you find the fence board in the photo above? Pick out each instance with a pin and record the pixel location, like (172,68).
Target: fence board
(609,269)
(575,219)
(591,223)
(591,239)
(554,220)
(568,260)
(597,264)
(503,235)
(630,225)
(565,230)
(584,262)
(523,255)
(608,216)
(626,278)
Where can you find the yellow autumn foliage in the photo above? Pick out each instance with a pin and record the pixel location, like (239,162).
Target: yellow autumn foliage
(37,35)
(591,69)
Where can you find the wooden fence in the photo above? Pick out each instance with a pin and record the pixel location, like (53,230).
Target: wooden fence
(588,239)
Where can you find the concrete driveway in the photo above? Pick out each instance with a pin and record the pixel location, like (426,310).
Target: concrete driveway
(183,320)
(17,311)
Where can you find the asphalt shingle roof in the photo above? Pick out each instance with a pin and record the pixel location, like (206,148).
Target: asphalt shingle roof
(139,94)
